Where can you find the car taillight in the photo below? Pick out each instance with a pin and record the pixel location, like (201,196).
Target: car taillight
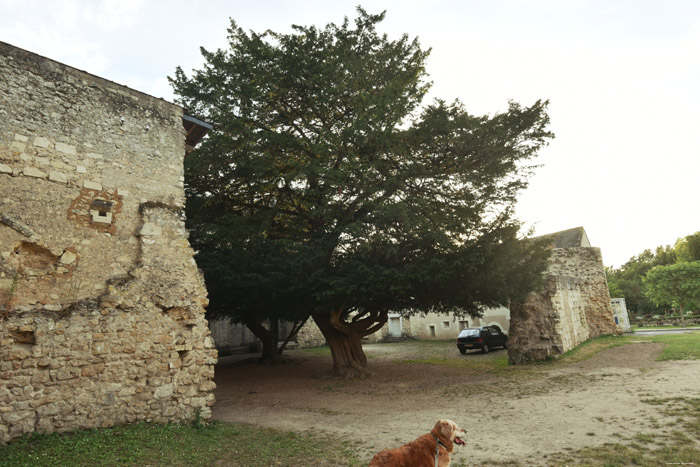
(480,340)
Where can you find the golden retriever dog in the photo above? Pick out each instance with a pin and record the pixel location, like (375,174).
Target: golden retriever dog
(424,451)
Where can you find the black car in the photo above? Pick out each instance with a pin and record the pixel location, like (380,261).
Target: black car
(483,338)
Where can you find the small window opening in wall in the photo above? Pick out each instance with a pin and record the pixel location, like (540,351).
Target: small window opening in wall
(445,324)
(101,211)
(432,331)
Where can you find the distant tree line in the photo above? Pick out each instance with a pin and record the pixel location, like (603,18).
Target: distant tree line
(654,281)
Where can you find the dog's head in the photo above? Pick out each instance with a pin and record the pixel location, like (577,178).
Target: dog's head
(449,434)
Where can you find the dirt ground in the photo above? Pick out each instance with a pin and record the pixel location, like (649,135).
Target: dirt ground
(519,413)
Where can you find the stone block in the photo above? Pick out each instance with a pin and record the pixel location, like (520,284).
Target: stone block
(16,416)
(68,257)
(33,172)
(66,148)
(90,185)
(17,146)
(56,176)
(5,169)
(163,391)
(41,142)
(207,386)
(48,410)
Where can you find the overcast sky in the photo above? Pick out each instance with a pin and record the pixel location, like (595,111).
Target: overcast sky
(622,77)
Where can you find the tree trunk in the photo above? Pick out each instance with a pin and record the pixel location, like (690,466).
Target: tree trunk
(349,360)
(268,338)
(345,341)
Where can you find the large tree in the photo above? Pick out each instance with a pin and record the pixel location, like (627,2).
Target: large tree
(676,284)
(327,189)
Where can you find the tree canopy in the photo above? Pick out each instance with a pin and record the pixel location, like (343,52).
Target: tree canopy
(628,281)
(677,284)
(328,189)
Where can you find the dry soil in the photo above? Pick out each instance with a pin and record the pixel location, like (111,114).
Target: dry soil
(523,413)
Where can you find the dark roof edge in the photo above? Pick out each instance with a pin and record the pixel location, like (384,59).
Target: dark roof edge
(197,121)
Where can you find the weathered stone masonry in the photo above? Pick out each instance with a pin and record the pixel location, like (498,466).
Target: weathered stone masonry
(101,303)
(573,306)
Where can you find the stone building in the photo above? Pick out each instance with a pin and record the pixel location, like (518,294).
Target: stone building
(573,306)
(101,303)
(434,326)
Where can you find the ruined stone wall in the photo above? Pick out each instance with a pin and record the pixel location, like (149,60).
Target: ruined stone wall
(310,335)
(573,307)
(101,303)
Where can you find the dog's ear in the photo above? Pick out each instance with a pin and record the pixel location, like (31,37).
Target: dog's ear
(443,431)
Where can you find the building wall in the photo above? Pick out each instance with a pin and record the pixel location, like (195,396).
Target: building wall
(572,307)
(622,319)
(101,303)
(441,326)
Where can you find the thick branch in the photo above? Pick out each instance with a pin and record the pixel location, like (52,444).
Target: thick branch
(295,329)
(383,317)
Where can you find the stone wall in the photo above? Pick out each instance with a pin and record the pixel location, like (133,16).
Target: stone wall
(101,303)
(310,335)
(573,307)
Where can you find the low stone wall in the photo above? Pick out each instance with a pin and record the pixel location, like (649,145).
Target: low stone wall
(690,321)
(573,306)
(101,303)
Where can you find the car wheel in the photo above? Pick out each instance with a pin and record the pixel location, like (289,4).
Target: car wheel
(485,348)
(462,350)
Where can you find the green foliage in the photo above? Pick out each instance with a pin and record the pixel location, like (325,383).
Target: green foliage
(167,445)
(326,185)
(197,419)
(674,284)
(627,280)
(688,248)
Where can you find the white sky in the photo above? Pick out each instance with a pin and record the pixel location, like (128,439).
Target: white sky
(622,76)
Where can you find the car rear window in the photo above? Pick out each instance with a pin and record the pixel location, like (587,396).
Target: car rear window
(468,332)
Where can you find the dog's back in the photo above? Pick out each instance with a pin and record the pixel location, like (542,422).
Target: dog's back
(417,453)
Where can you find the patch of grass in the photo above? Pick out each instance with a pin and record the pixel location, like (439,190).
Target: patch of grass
(323,350)
(168,445)
(684,346)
